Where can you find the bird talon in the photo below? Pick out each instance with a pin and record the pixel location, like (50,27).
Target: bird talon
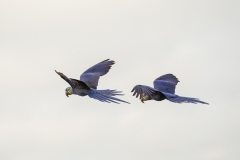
(143,98)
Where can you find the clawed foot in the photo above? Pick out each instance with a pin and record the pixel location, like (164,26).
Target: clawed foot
(143,98)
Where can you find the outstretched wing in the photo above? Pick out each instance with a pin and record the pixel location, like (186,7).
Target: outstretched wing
(177,99)
(166,83)
(143,91)
(73,82)
(92,75)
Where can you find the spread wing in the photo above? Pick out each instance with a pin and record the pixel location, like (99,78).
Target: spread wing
(92,75)
(166,83)
(73,82)
(141,89)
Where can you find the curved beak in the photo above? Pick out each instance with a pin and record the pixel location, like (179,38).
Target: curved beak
(66,92)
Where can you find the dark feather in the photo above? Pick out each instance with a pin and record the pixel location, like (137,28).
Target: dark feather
(79,84)
(141,89)
(73,82)
(66,79)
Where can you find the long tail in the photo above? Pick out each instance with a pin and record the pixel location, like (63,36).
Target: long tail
(106,95)
(177,99)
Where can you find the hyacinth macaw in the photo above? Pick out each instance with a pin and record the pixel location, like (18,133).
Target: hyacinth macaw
(87,85)
(164,88)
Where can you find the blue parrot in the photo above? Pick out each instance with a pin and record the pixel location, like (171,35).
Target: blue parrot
(87,85)
(164,88)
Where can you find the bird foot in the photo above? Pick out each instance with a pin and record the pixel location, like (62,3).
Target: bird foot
(143,98)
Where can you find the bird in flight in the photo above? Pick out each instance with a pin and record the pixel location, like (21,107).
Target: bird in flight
(87,85)
(164,88)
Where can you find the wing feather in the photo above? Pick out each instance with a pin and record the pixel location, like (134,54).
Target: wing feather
(79,84)
(91,76)
(142,89)
(73,82)
(66,79)
(166,83)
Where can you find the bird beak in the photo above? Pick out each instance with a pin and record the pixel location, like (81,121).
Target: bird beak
(66,92)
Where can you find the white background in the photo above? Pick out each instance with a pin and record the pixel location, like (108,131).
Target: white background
(197,41)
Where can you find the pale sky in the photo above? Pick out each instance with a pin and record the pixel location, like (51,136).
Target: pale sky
(197,41)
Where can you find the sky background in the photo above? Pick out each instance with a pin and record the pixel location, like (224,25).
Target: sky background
(197,41)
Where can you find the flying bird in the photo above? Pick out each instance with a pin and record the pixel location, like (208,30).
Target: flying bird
(87,85)
(164,88)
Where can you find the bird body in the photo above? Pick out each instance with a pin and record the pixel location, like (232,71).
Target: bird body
(80,92)
(164,88)
(87,85)
(158,96)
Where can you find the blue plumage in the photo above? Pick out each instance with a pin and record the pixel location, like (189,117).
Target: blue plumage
(105,96)
(87,85)
(92,75)
(164,88)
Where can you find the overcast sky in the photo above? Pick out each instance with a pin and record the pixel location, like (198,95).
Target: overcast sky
(197,41)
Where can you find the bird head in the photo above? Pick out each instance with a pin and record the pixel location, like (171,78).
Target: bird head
(68,91)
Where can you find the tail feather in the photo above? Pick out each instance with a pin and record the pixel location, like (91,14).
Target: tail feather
(178,99)
(111,92)
(106,96)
